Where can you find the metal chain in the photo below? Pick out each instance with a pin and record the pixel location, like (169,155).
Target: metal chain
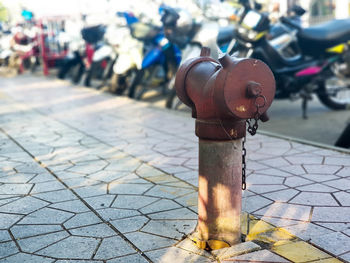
(252,128)
(244,153)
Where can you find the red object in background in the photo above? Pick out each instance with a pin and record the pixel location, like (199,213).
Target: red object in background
(89,51)
(49,56)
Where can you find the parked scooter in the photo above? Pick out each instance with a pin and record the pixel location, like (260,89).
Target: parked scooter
(5,48)
(145,61)
(25,48)
(80,57)
(129,52)
(304,61)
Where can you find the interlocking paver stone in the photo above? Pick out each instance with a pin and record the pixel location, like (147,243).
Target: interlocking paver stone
(56,196)
(288,211)
(4,236)
(170,228)
(332,241)
(307,231)
(75,206)
(22,231)
(82,219)
(33,244)
(121,188)
(114,213)
(159,206)
(101,201)
(26,258)
(343,198)
(314,199)
(7,249)
(71,247)
(113,247)
(99,230)
(174,254)
(24,205)
(136,258)
(147,242)
(15,189)
(331,214)
(7,220)
(133,201)
(259,256)
(130,224)
(46,216)
(182,213)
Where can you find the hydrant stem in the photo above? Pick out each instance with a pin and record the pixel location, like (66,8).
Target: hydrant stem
(219,194)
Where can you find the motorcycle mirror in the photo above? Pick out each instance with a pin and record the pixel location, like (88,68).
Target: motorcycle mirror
(257,6)
(297,10)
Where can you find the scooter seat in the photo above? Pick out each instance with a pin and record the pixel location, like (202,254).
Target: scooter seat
(323,36)
(225,34)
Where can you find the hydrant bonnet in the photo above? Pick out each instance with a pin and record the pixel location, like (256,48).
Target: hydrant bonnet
(224,94)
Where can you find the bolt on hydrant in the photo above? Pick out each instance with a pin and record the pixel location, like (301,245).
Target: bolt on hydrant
(224,95)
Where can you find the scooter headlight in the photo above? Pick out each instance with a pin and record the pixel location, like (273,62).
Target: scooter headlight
(252,35)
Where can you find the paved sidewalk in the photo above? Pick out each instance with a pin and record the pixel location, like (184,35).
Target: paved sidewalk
(89,177)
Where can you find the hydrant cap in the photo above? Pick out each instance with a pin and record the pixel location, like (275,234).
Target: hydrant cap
(245,85)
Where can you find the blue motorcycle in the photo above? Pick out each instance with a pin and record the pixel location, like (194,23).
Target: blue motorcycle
(160,62)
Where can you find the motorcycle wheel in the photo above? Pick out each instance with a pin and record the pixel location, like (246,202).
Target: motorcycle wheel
(118,84)
(78,72)
(136,89)
(65,68)
(91,73)
(334,93)
(172,102)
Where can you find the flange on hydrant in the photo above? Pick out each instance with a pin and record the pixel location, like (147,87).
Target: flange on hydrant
(224,95)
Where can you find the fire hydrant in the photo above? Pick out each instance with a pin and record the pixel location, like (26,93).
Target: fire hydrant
(224,95)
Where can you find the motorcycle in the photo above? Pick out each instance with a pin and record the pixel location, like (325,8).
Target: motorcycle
(80,58)
(304,61)
(148,62)
(25,48)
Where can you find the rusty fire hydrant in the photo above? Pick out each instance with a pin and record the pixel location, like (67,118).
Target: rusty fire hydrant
(223,95)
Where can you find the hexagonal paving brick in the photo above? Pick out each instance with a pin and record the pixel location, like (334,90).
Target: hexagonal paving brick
(7,249)
(135,258)
(46,216)
(99,230)
(7,220)
(114,213)
(170,228)
(24,205)
(32,244)
(129,224)
(15,189)
(146,241)
(71,248)
(83,219)
(121,188)
(22,231)
(336,243)
(75,206)
(113,247)
(174,254)
(26,258)
(133,201)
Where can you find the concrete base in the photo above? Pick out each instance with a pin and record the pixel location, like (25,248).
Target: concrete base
(220,194)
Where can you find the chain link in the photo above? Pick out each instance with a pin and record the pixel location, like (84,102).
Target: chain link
(244,153)
(252,128)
